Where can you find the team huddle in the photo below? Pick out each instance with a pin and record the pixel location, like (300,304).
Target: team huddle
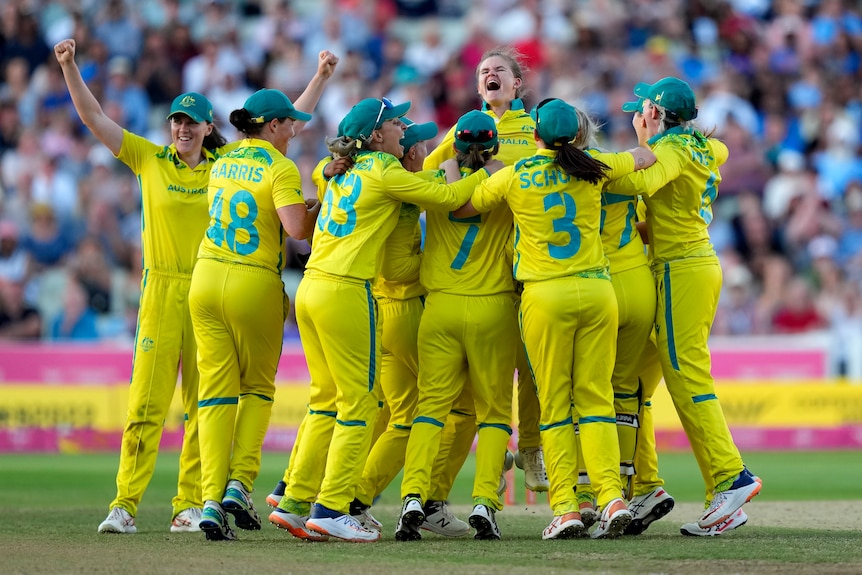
(588,274)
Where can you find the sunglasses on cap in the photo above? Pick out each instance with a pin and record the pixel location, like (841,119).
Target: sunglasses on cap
(475,137)
(545,101)
(384,104)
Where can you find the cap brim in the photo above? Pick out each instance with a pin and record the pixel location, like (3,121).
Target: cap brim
(193,116)
(422,132)
(633,106)
(299,116)
(642,89)
(394,112)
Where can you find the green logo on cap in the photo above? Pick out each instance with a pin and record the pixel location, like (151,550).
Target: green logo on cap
(187,102)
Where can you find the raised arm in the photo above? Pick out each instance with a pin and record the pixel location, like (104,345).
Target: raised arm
(307,101)
(104,128)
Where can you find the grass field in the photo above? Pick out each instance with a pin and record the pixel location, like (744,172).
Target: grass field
(805,522)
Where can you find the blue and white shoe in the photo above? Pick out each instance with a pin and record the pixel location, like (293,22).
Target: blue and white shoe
(237,501)
(728,500)
(274,498)
(339,525)
(214,523)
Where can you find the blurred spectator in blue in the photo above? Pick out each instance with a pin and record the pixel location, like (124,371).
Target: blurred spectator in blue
(737,305)
(76,320)
(18,319)
(122,88)
(119,31)
(849,253)
(22,37)
(838,163)
(48,242)
(13,258)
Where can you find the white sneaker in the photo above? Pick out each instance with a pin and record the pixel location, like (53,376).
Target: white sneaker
(508,462)
(295,524)
(344,527)
(237,501)
(483,521)
(274,498)
(118,521)
(727,501)
(648,508)
(440,520)
(187,521)
(615,517)
(568,526)
(214,523)
(367,520)
(411,518)
(532,461)
(738,519)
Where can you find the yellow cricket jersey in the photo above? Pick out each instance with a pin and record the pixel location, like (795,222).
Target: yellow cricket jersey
(514,133)
(173,202)
(247,186)
(401,258)
(679,190)
(360,209)
(556,217)
(468,256)
(620,238)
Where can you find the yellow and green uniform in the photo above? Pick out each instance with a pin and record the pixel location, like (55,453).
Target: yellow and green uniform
(515,136)
(337,312)
(678,191)
(632,281)
(238,308)
(174,218)
(568,314)
(468,333)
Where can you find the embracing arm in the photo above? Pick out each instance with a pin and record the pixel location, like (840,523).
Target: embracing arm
(298,219)
(104,128)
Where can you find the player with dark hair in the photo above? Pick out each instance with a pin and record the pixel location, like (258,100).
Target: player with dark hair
(336,310)
(466,339)
(500,84)
(568,309)
(238,304)
(679,192)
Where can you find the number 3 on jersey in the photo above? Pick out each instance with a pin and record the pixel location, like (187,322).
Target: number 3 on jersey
(565,224)
(325,222)
(240,235)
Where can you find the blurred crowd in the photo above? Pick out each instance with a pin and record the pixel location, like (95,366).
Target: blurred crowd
(779,81)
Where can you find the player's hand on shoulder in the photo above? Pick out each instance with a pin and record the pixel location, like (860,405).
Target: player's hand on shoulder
(327,61)
(64,50)
(337,166)
(494,166)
